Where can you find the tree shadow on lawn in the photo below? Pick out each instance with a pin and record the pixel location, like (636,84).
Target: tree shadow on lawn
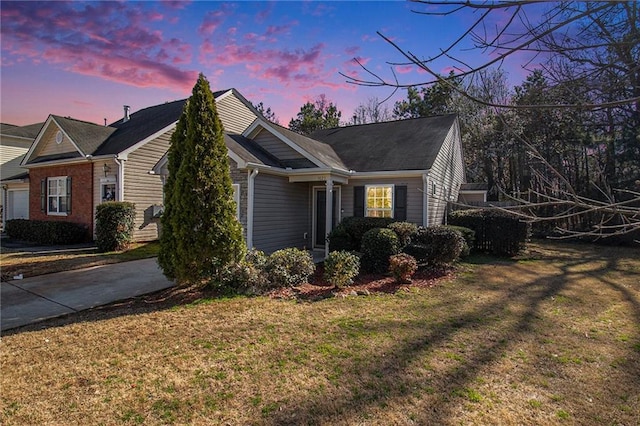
(392,377)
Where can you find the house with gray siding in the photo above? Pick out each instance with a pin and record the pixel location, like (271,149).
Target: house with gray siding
(290,189)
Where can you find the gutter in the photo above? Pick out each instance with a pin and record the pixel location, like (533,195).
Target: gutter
(120,192)
(251,176)
(425,200)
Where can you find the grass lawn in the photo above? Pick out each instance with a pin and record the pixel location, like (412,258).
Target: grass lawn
(29,264)
(553,338)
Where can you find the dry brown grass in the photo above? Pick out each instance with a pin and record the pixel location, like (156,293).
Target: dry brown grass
(550,339)
(29,264)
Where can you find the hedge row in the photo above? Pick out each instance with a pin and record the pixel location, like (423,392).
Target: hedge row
(497,232)
(47,232)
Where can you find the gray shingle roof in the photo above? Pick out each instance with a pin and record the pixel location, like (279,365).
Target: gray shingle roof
(474,187)
(250,151)
(28,131)
(320,150)
(395,145)
(87,136)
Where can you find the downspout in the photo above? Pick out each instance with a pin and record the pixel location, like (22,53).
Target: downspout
(120,192)
(425,201)
(328,219)
(250,196)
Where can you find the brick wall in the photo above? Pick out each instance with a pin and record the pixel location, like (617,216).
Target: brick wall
(81,192)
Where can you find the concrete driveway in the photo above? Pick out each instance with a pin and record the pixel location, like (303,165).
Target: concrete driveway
(34,299)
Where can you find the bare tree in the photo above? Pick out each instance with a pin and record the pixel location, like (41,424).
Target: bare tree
(371,111)
(589,52)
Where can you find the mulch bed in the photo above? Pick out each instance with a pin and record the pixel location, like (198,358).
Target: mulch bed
(365,284)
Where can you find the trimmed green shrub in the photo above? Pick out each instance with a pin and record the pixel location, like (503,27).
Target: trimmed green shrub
(497,232)
(340,240)
(289,267)
(341,267)
(247,276)
(348,234)
(402,266)
(47,231)
(404,230)
(469,236)
(435,246)
(378,245)
(114,225)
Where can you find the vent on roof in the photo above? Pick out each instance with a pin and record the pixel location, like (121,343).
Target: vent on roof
(127,109)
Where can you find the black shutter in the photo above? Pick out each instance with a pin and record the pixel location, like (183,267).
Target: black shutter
(68,194)
(400,204)
(358,201)
(43,195)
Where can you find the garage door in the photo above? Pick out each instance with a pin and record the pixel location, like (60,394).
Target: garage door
(18,205)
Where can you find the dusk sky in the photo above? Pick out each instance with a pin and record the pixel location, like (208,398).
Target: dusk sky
(87,59)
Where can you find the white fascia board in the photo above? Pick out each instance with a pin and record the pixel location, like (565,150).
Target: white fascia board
(57,162)
(242,164)
(36,141)
(224,95)
(389,174)
(12,181)
(124,154)
(473,191)
(253,130)
(70,140)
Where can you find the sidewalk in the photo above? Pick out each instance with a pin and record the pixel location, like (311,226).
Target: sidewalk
(37,298)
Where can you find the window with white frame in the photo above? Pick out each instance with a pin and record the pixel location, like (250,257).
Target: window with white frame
(57,196)
(379,201)
(236,198)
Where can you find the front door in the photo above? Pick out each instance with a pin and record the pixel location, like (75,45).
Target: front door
(320,201)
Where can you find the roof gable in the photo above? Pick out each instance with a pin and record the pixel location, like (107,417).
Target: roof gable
(395,145)
(65,138)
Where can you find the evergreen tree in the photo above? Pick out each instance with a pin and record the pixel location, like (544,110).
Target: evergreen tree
(200,232)
(322,114)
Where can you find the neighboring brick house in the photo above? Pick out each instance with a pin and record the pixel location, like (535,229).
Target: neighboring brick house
(75,165)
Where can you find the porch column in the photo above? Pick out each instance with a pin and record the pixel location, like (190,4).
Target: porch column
(328,221)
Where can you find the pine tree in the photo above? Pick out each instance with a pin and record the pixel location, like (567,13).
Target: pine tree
(200,232)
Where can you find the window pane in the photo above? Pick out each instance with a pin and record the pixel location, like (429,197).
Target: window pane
(63,205)
(53,204)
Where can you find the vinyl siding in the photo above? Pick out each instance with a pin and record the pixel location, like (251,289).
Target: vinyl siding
(447,173)
(144,189)
(235,115)
(48,145)
(282,213)
(240,177)
(414,195)
(11,153)
(276,147)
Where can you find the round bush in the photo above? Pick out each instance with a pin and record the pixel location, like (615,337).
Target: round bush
(378,245)
(404,230)
(402,266)
(114,225)
(289,267)
(341,267)
(435,246)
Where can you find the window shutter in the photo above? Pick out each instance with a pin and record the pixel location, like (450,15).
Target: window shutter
(69,195)
(358,201)
(400,203)
(43,195)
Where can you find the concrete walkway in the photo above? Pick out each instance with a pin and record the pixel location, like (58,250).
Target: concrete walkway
(34,299)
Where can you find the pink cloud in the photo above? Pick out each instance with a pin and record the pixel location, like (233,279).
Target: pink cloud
(109,40)
(352,50)
(404,69)
(280,29)
(212,20)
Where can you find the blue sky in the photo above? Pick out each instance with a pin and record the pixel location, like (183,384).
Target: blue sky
(87,59)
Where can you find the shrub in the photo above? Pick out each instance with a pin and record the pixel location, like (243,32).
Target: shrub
(47,231)
(114,225)
(496,231)
(402,266)
(469,236)
(435,246)
(249,275)
(378,245)
(348,234)
(289,267)
(340,240)
(341,267)
(404,230)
